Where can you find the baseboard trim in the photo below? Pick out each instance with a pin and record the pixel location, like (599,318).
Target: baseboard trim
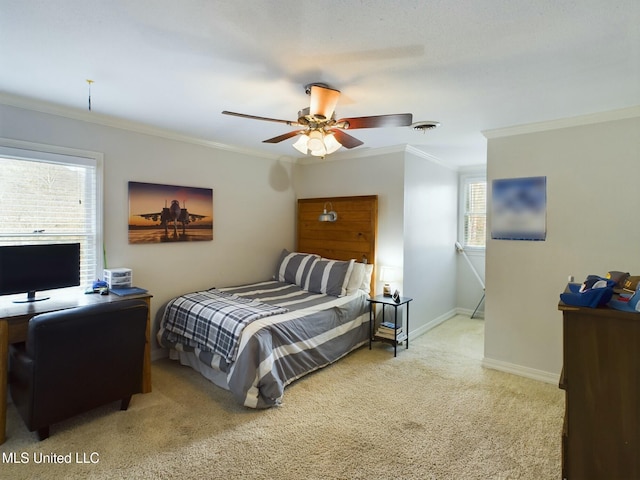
(467,311)
(432,324)
(526,372)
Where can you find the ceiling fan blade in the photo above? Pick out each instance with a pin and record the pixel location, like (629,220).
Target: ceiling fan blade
(323,101)
(254,117)
(379,121)
(345,139)
(285,136)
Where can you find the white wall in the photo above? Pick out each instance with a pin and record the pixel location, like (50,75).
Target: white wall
(592,165)
(469,291)
(417,220)
(430,232)
(254,202)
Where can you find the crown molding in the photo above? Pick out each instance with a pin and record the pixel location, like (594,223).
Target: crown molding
(432,158)
(588,119)
(137,127)
(371,152)
(351,154)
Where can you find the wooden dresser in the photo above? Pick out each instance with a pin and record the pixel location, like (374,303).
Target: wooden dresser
(601,378)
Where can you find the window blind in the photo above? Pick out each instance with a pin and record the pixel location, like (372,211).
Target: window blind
(50,199)
(475,216)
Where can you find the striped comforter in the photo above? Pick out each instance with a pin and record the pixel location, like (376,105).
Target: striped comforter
(313,331)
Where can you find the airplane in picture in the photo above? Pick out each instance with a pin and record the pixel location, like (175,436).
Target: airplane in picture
(172,215)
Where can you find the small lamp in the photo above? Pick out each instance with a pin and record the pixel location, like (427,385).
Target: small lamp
(329,216)
(387,276)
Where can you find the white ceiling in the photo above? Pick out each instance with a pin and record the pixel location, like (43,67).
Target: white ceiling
(472,65)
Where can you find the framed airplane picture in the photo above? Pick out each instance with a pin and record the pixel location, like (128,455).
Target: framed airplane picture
(169,213)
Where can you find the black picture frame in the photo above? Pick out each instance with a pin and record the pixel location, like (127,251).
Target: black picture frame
(396,296)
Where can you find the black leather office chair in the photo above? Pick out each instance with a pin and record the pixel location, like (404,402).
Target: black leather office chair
(78,359)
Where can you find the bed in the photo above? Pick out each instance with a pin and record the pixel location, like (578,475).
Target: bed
(256,339)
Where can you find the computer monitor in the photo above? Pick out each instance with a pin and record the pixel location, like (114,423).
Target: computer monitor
(31,268)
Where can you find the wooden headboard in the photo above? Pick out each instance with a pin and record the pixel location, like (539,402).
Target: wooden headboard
(352,235)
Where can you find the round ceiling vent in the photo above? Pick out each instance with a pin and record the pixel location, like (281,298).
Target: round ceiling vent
(424,126)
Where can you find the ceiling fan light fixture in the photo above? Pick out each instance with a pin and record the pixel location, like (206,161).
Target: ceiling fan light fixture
(321,152)
(321,133)
(331,143)
(301,144)
(315,142)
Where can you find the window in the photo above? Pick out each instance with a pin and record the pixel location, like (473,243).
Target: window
(52,195)
(473,211)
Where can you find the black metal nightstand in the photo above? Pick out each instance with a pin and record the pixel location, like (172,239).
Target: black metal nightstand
(389,301)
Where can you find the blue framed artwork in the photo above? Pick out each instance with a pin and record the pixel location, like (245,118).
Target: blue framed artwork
(519,209)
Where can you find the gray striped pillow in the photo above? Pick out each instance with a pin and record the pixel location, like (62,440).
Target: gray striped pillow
(294,267)
(329,276)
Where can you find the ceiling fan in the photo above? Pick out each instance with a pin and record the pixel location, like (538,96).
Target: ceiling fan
(322,134)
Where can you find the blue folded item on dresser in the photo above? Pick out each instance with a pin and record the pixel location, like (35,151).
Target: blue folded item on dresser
(595,291)
(626,302)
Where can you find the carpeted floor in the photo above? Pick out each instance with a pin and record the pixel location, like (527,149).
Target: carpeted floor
(431,413)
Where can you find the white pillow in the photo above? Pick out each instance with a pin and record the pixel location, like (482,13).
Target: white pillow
(355,280)
(360,278)
(366,279)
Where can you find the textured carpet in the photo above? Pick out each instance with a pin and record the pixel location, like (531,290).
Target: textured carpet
(431,413)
